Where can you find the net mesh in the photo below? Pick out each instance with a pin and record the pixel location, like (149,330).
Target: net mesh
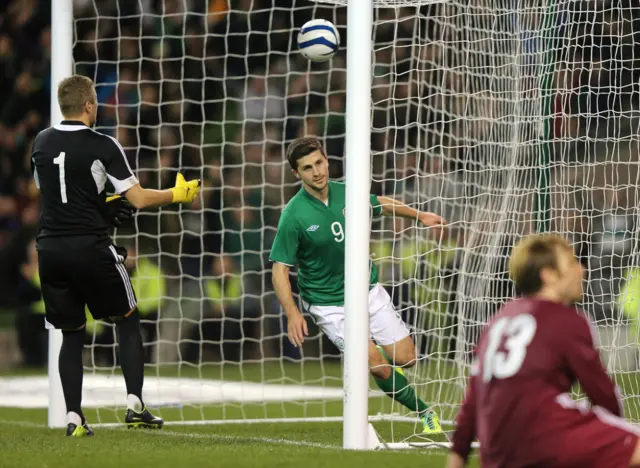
(487,112)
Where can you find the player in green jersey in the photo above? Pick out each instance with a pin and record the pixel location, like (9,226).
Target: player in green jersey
(311,236)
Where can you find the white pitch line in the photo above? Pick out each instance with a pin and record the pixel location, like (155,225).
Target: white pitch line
(195,435)
(230,438)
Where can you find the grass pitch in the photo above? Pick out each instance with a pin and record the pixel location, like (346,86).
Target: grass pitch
(25,441)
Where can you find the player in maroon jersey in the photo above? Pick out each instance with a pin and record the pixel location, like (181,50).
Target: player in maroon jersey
(518,402)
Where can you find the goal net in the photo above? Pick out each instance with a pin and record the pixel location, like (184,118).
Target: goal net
(498,115)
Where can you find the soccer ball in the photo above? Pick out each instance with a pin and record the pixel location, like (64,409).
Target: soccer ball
(318,40)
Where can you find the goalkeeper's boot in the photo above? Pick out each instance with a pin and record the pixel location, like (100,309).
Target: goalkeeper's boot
(73,430)
(431,423)
(143,419)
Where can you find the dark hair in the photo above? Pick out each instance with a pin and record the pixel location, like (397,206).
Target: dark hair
(73,93)
(530,256)
(301,147)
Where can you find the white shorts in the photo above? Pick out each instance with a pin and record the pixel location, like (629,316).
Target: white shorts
(385,325)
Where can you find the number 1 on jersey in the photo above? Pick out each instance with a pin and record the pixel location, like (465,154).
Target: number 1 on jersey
(63,186)
(518,332)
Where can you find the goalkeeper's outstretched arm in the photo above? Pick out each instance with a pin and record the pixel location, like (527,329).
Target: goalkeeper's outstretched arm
(126,184)
(391,207)
(183,192)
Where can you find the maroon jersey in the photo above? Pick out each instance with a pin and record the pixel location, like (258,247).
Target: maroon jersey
(517,400)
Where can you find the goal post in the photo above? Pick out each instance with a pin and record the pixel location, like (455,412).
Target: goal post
(61,68)
(357,217)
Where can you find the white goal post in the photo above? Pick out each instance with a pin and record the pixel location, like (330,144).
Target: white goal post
(358,182)
(469,109)
(61,68)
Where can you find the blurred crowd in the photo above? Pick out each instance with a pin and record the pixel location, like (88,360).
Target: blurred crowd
(216,89)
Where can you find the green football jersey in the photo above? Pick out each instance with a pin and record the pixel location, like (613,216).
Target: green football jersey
(311,236)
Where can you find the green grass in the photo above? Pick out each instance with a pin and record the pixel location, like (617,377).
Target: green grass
(25,441)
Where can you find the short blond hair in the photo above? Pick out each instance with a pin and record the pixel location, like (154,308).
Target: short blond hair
(530,256)
(73,93)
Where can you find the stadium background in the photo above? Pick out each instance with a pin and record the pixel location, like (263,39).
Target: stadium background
(179,88)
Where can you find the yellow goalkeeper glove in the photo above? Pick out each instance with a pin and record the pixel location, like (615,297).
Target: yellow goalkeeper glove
(185,191)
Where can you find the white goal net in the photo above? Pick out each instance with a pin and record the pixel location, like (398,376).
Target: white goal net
(487,112)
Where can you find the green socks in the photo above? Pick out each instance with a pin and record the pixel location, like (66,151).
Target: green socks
(397,387)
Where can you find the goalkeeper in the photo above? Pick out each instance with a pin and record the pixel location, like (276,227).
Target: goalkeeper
(77,262)
(311,235)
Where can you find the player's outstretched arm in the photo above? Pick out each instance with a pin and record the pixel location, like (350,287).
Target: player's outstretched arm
(297,325)
(392,207)
(183,192)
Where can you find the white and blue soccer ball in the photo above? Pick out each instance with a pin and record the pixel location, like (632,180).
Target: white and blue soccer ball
(318,40)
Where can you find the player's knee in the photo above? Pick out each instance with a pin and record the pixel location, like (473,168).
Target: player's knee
(405,354)
(378,365)
(406,361)
(381,371)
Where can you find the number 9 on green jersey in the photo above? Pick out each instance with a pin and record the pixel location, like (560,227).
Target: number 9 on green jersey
(311,235)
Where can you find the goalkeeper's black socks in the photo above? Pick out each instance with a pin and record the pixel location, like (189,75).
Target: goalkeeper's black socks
(132,364)
(132,358)
(70,367)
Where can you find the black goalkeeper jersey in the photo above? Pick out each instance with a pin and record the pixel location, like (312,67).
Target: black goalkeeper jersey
(71,165)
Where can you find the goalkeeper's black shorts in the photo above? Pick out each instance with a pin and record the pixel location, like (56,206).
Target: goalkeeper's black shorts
(93,277)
